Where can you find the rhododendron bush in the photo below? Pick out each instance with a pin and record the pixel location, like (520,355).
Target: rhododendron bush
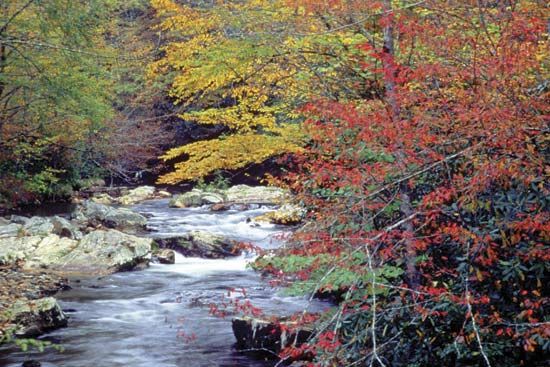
(429,198)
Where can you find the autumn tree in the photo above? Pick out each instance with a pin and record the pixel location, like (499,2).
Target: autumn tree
(428,196)
(70,87)
(53,91)
(247,66)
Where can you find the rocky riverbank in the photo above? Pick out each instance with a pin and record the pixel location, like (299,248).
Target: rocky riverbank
(38,254)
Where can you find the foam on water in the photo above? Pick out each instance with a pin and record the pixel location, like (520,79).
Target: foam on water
(197,267)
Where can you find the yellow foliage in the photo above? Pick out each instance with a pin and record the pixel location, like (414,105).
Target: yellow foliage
(243,65)
(229,152)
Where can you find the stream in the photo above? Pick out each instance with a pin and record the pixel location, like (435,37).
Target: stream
(160,317)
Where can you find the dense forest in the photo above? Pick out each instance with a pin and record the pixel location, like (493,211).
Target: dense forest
(412,136)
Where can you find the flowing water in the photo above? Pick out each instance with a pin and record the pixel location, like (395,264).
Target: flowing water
(160,317)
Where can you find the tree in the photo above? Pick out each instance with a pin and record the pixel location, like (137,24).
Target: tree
(53,92)
(429,202)
(247,66)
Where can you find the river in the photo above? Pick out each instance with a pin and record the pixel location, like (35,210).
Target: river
(160,317)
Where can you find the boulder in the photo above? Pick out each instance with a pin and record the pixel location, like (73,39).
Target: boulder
(255,194)
(236,197)
(263,335)
(13,249)
(201,244)
(33,318)
(64,228)
(94,214)
(99,252)
(189,199)
(165,256)
(137,195)
(220,207)
(103,198)
(105,252)
(38,226)
(50,252)
(11,230)
(212,198)
(285,215)
(164,194)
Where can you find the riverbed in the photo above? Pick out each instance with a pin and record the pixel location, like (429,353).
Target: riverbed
(160,317)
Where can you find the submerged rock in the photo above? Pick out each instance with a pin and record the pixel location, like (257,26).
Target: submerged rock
(200,244)
(262,335)
(33,318)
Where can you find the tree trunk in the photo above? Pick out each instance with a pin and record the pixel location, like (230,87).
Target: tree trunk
(404,191)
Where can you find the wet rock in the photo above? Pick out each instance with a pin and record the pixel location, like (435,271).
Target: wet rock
(189,199)
(94,214)
(165,256)
(99,252)
(31,363)
(212,198)
(255,194)
(220,207)
(200,244)
(33,318)
(236,197)
(137,195)
(105,252)
(164,194)
(285,215)
(263,335)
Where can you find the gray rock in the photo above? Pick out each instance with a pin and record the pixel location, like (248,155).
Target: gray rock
(105,252)
(95,214)
(212,198)
(254,333)
(285,215)
(64,228)
(38,226)
(200,244)
(255,194)
(137,195)
(165,256)
(33,318)
(11,230)
(19,219)
(13,249)
(99,252)
(189,199)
